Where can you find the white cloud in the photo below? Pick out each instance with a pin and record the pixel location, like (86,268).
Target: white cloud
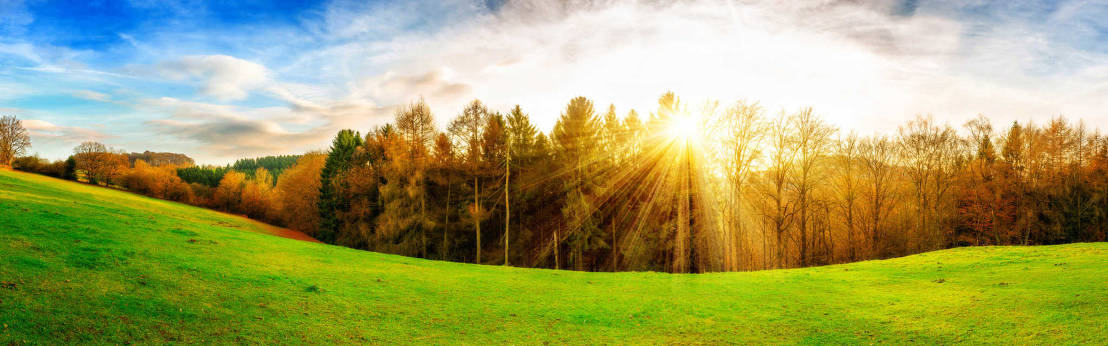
(863,64)
(224,133)
(47,131)
(223,77)
(22,50)
(345,19)
(92,95)
(9,91)
(391,88)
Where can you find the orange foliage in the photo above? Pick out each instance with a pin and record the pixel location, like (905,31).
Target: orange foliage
(229,192)
(296,197)
(157,181)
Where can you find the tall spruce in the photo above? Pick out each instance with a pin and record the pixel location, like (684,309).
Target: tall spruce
(575,142)
(344,145)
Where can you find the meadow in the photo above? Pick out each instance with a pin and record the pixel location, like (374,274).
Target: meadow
(80,263)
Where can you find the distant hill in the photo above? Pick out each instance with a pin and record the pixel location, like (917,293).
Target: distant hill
(162,159)
(84,264)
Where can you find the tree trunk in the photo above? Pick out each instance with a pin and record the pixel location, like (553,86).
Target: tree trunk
(556,265)
(765,248)
(446,222)
(507,202)
(422,218)
(477,216)
(850,231)
(780,249)
(803,248)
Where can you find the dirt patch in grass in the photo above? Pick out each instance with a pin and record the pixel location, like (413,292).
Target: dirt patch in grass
(267,228)
(291,234)
(183,232)
(203,242)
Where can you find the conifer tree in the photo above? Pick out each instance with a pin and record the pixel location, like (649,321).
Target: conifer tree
(338,161)
(575,142)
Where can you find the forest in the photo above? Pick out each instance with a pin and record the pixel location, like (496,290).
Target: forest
(683,188)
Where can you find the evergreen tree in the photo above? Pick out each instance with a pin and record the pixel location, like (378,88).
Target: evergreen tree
(520,157)
(338,161)
(575,144)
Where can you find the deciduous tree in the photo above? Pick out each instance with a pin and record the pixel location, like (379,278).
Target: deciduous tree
(14,139)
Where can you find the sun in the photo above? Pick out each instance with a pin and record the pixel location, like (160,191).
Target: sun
(684,127)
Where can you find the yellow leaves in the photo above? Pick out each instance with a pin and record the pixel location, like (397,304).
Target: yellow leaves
(296,195)
(157,181)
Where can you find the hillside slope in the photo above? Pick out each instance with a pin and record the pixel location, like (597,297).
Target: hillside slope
(80,263)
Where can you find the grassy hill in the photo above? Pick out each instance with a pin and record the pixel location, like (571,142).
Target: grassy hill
(81,263)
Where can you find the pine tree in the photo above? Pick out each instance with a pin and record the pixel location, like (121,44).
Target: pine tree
(338,162)
(575,142)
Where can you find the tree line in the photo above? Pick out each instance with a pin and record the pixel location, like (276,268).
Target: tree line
(752,191)
(602,191)
(211,175)
(161,159)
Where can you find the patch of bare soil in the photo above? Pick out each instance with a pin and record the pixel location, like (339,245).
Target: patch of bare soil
(271,229)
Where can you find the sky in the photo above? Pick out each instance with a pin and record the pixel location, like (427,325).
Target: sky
(220,81)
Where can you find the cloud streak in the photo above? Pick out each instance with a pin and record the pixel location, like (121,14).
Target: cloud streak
(47,131)
(224,133)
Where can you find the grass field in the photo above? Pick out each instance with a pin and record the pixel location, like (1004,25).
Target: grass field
(87,264)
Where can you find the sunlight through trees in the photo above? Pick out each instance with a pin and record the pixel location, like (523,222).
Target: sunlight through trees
(685,188)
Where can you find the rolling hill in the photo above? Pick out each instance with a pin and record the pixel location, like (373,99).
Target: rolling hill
(87,264)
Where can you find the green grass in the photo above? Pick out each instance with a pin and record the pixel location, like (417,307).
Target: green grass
(88,264)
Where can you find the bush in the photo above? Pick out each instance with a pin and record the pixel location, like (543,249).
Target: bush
(37,165)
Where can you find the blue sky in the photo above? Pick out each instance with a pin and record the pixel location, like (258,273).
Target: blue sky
(222,80)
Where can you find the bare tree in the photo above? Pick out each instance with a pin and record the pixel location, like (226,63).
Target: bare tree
(444,158)
(847,185)
(469,127)
(14,140)
(877,156)
(741,127)
(929,155)
(416,125)
(780,209)
(813,140)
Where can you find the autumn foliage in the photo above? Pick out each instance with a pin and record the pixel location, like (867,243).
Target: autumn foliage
(681,188)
